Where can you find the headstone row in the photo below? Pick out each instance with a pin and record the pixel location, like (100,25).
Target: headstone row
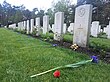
(81,28)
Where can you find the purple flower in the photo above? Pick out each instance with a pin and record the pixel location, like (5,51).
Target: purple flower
(94,59)
(54,45)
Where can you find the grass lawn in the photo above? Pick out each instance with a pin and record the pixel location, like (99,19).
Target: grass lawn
(22,56)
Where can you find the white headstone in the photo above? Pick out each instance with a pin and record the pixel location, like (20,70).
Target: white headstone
(10,26)
(19,25)
(64,28)
(95,28)
(38,22)
(22,26)
(38,26)
(59,21)
(32,25)
(108,31)
(53,28)
(5,26)
(99,29)
(71,28)
(83,15)
(25,22)
(108,35)
(27,27)
(14,26)
(105,30)
(45,24)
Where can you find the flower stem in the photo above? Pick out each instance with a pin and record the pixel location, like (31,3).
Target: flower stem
(46,71)
(69,65)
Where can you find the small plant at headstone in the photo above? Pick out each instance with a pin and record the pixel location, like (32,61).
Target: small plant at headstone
(45,39)
(23,31)
(48,38)
(34,31)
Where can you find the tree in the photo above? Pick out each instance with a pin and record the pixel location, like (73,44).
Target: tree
(33,13)
(51,14)
(13,14)
(62,6)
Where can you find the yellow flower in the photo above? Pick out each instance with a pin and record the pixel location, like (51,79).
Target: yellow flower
(74,46)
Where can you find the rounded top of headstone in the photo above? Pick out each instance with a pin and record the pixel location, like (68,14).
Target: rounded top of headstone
(95,22)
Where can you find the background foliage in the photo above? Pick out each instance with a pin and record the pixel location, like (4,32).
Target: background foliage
(14,14)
